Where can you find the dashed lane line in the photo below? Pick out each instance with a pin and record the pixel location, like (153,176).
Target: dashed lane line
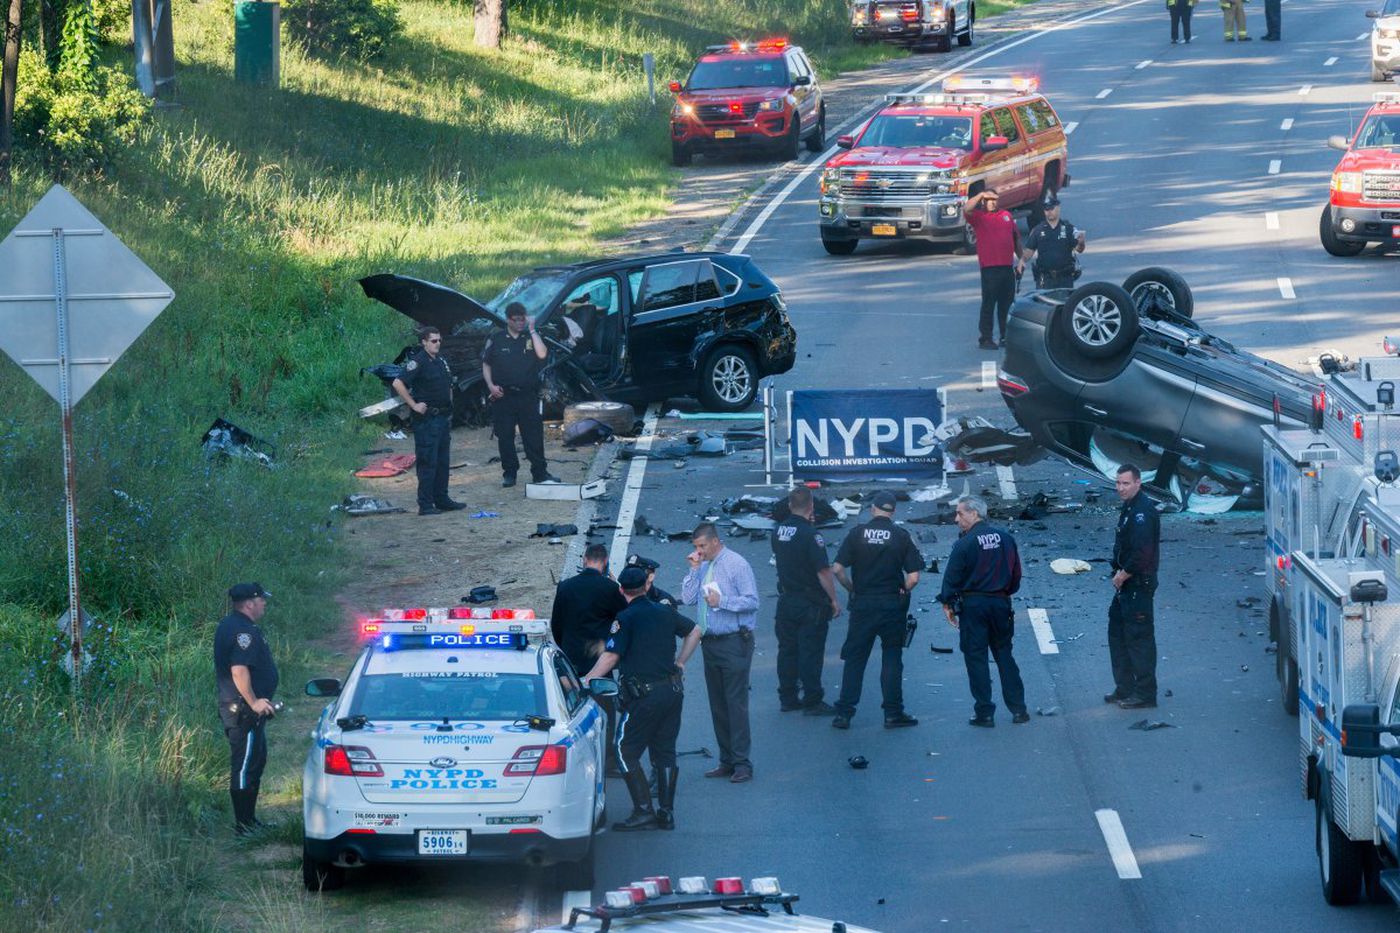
(632,492)
(1286,125)
(1124,862)
(1285,287)
(1007,481)
(1305,90)
(1330,62)
(1364,35)
(1142,64)
(1104,93)
(1271,220)
(1044,635)
(1275,165)
(989,374)
(1071,126)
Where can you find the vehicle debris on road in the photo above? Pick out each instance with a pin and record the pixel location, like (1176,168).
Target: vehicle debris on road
(366,505)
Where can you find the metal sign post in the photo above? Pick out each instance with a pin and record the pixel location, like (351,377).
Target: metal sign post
(70,473)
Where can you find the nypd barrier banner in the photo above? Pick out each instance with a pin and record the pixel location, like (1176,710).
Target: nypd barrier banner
(863,434)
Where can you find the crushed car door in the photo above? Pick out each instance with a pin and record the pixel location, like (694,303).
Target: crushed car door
(676,301)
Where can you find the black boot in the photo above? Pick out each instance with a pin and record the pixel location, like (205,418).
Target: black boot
(244,806)
(666,797)
(643,816)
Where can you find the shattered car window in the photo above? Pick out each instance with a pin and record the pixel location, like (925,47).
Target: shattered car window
(535,291)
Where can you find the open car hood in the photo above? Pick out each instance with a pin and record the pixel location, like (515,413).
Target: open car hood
(427,303)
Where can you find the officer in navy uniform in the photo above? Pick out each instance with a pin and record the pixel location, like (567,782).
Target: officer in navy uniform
(983,572)
(884,568)
(654,593)
(1132,641)
(1053,245)
(511,368)
(246,680)
(426,386)
(806,605)
(643,648)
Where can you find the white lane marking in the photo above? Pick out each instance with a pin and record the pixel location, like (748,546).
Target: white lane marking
(632,493)
(989,374)
(752,230)
(1364,35)
(1285,287)
(1330,62)
(1286,125)
(1123,859)
(1271,220)
(1007,481)
(1044,635)
(1104,93)
(574,899)
(1305,89)
(1142,64)
(1274,166)
(1070,127)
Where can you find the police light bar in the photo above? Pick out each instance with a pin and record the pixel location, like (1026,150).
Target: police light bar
(403,641)
(916,99)
(765,45)
(1017,85)
(654,895)
(462,620)
(1386,97)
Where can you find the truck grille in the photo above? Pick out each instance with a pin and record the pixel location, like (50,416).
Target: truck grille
(900,11)
(1380,186)
(720,113)
(881,186)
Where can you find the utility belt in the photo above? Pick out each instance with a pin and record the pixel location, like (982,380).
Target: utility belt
(517,390)
(434,412)
(634,688)
(235,714)
(1000,594)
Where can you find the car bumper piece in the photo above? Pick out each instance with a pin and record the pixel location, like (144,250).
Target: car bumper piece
(933,219)
(699,137)
(353,849)
(1371,224)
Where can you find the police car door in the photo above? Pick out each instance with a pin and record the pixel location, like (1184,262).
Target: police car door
(586,735)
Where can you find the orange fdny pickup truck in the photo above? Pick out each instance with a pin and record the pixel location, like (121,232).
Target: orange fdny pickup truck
(908,172)
(1365,202)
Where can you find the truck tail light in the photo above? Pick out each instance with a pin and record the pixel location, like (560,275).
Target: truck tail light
(538,760)
(352,761)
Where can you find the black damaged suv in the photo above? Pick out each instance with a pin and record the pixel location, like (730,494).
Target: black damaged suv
(631,329)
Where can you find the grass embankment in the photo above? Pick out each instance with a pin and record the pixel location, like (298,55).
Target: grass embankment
(261,209)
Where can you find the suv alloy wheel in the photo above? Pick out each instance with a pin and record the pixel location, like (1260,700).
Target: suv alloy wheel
(728,379)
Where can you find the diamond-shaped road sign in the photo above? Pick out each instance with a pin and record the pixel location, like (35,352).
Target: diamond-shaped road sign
(112,296)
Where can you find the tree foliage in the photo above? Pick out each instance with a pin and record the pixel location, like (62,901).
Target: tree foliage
(361,29)
(75,122)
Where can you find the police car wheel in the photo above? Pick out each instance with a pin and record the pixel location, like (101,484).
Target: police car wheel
(577,876)
(728,379)
(1338,859)
(320,876)
(1098,320)
(1330,242)
(1160,294)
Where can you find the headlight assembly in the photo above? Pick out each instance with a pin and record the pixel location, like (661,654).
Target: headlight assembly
(774,104)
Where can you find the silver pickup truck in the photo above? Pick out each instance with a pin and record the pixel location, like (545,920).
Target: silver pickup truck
(914,22)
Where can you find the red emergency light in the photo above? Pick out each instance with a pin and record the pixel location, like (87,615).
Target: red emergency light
(369,628)
(736,107)
(1357,430)
(415,615)
(729,886)
(773,45)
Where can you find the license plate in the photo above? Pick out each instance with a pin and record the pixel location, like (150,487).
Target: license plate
(896,29)
(724,134)
(442,842)
(883,230)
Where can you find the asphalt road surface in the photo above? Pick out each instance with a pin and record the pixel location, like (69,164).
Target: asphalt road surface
(1074,821)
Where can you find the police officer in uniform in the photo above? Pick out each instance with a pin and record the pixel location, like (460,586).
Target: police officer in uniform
(246,680)
(1132,642)
(806,605)
(585,608)
(983,572)
(1052,245)
(654,593)
(643,648)
(511,369)
(426,387)
(884,568)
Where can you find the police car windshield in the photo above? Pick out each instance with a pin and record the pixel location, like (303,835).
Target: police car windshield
(909,130)
(433,695)
(535,290)
(738,72)
(1379,133)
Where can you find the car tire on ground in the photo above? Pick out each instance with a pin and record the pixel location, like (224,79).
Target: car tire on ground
(839,247)
(1098,320)
(578,876)
(816,142)
(1339,860)
(320,876)
(1287,681)
(728,378)
(680,155)
(618,416)
(965,38)
(1377,74)
(1160,294)
(945,44)
(790,148)
(1329,236)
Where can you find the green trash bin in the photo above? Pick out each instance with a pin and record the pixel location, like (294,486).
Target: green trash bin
(257,42)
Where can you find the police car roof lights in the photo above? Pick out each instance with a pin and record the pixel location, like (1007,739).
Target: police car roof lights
(764,45)
(1015,85)
(460,619)
(1386,97)
(654,895)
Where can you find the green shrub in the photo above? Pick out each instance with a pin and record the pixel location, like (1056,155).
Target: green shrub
(361,29)
(75,125)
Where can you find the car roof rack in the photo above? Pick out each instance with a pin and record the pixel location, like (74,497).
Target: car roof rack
(673,903)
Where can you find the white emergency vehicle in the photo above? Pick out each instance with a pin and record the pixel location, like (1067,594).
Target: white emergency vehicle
(459,734)
(1332,517)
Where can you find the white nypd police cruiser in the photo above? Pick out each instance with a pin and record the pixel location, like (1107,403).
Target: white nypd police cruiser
(459,734)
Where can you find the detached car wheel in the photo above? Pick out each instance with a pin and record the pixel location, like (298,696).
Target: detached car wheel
(1099,320)
(1160,294)
(1330,242)
(728,379)
(839,247)
(618,416)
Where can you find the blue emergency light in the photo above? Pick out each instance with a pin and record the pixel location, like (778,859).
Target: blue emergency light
(402,641)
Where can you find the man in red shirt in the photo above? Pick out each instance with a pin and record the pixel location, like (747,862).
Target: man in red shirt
(998,245)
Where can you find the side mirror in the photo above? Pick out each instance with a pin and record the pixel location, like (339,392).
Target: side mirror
(993,143)
(602,687)
(802,80)
(675,87)
(1337,142)
(323,687)
(1361,731)
(845,142)
(1373,14)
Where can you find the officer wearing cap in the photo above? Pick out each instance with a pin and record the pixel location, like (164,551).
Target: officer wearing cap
(643,648)
(1052,245)
(583,616)
(246,680)
(983,572)
(654,593)
(1132,640)
(884,566)
(511,369)
(426,387)
(806,605)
